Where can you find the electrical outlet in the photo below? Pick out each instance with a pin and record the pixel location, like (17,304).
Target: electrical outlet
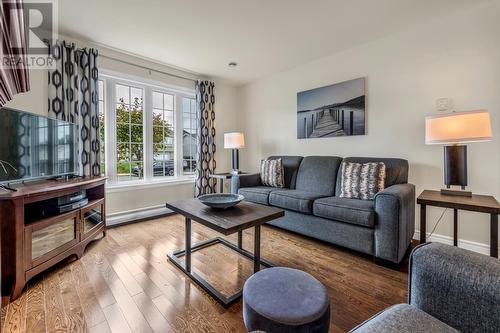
(443,104)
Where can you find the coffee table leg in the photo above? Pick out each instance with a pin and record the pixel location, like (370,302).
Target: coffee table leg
(256,251)
(240,240)
(188,244)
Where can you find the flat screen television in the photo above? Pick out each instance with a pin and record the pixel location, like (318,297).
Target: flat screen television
(34,147)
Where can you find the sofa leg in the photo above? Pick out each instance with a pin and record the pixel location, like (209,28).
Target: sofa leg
(392,265)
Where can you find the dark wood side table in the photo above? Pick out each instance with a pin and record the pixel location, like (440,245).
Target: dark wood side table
(221,177)
(477,203)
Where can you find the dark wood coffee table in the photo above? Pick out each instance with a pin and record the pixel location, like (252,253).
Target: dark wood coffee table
(236,219)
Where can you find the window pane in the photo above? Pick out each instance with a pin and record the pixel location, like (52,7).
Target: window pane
(158,134)
(158,168)
(187,121)
(122,133)
(136,98)
(163,135)
(193,106)
(136,134)
(122,114)
(101,90)
(157,116)
(129,133)
(188,136)
(102,127)
(122,94)
(168,102)
(186,105)
(136,117)
(137,170)
(136,152)
(157,100)
(122,152)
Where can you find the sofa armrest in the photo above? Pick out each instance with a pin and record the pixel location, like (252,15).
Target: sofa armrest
(395,221)
(459,287)
(244,180)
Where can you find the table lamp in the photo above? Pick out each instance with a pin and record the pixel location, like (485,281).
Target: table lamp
(452,130)
(234,141)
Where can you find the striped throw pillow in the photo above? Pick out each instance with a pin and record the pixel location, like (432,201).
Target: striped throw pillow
(362,180)
(271,173)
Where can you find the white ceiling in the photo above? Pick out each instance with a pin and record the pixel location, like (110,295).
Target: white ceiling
(263,36)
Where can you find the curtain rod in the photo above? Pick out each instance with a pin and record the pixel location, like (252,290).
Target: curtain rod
(148,69)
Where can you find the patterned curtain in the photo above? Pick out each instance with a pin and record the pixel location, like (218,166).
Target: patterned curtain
(73,97)
(14,77)
(205,157)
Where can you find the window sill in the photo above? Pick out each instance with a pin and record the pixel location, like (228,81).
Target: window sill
(141,185)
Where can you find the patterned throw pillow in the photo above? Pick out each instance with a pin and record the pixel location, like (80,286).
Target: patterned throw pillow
(362,180)
(271,173)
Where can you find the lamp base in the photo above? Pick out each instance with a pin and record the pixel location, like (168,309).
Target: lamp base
(460,193)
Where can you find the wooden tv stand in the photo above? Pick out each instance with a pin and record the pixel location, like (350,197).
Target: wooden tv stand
(31,243)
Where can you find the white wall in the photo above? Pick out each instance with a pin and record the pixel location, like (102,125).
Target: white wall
(36,101)
(456,57)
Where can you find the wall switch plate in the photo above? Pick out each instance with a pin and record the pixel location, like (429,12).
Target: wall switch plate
(443,104)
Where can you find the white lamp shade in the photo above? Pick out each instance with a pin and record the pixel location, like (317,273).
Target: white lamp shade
(234,140)
(469,126)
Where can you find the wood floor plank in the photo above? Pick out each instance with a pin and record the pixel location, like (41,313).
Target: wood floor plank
(147,285)
(116,320)
(155,319)
(124,275)
(103,327)
(132,314)
(55,317)
(15,317)
(125,283)
(91,309)
(71,301)
(35,314)
(101,289)
(194,299)
(3,311)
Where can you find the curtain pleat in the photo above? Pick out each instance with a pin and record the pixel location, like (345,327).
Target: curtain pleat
(205,157)
(73,96)
(14,76)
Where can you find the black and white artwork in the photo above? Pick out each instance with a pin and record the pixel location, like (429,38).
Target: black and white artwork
(334,110)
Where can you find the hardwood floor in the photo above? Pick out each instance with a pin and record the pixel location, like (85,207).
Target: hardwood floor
(124,283)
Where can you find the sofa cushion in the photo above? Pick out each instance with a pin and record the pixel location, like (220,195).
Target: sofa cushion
(403,318)
(317,174)
(362,180)
(291,167)
(271,173)
(354,211)
(299,201)
(257,194)
(396,170)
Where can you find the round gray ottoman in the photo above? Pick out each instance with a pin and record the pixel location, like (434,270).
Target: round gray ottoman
(283,299)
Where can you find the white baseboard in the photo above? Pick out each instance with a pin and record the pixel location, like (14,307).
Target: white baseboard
(136,214)
(462,243)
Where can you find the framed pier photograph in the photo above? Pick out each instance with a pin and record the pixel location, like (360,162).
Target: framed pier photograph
(334,110)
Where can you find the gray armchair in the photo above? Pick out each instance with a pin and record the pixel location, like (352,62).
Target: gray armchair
(450,290)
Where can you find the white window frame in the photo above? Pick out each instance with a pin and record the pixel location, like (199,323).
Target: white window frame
(112,78)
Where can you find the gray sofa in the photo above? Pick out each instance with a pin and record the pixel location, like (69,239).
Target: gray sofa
(450,290)
(382,227)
